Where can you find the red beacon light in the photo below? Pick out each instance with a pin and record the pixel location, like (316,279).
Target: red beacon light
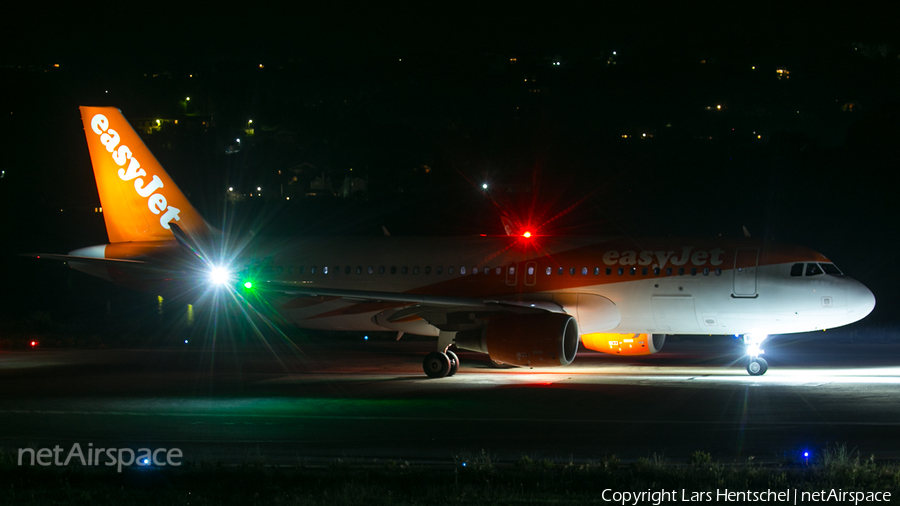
(527,235)
(34,344)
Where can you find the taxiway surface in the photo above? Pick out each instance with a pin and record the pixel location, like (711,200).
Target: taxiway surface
(370,400)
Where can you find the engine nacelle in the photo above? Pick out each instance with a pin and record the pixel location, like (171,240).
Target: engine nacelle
(624,344)
(537,340)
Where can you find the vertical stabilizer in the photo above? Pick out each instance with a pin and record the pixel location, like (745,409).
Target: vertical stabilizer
(139,198)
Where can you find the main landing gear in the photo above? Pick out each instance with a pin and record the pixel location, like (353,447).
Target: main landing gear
(756,365)
(440,364)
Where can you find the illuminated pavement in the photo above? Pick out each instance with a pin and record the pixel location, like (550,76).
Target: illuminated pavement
(370,400)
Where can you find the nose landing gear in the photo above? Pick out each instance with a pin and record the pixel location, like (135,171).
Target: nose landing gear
(756,366)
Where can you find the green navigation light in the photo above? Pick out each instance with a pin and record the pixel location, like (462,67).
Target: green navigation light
(248,285)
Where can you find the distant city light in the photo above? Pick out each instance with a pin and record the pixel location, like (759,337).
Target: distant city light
(185,341)
(719,107)
(753,67)
(249,121)
(238,140)
(261,65)
(258,188)
(287,198)
(187,99)
(231,188)
(614,53)
(484,186)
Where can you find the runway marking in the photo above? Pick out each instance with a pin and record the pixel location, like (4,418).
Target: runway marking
(449,419)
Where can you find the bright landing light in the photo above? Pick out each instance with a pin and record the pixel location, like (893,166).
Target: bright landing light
(219,275)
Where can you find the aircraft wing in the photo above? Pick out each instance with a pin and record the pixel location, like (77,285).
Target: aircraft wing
(413,299)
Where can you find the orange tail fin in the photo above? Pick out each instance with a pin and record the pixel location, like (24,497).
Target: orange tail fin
(139,199)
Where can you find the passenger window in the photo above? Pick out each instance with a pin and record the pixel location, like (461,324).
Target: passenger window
(656,271)
(812,269)
(512,270)
(487,270)
(797,270)
(312,270)
(560,271)
(280,269)
(337,269)
(371,270)
(584,271)
(381,269)
(549,271)
(706,271)
(405,270)
(498,270)
(831,269)
(416,270)
(596,271)
(427,269)
(693,271)
(633,271)
(439,270)
(668,271)
(531,270)
(393,269)
(462,270)
(571,271)
(474,270)
(621,271)
(718,271)
(300,270)
(325,270)
(347,270)
(359,269)
(644,271)
(608,271)
(291,269)
(681,271)
(451,270)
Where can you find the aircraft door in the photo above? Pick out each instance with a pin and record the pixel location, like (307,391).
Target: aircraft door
(745,267)
(530,273)
(512,273)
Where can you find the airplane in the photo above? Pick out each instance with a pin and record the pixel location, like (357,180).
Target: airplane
(523,299)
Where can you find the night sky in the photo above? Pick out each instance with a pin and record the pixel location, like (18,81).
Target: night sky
(612,120)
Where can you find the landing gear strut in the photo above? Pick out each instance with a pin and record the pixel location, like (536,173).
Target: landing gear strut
(756,366)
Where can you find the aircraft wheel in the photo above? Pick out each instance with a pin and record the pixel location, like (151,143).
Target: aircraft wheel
(436,364)
(454,363)
(757,366)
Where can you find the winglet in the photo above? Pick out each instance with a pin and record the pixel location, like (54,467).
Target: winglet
(746,232)
(139,198)
(507,225)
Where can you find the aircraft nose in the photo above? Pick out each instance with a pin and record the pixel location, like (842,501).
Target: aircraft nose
(860,301)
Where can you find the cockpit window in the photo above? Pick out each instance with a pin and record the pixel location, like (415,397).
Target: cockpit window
(831,269)
(797,270)
(813,269)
